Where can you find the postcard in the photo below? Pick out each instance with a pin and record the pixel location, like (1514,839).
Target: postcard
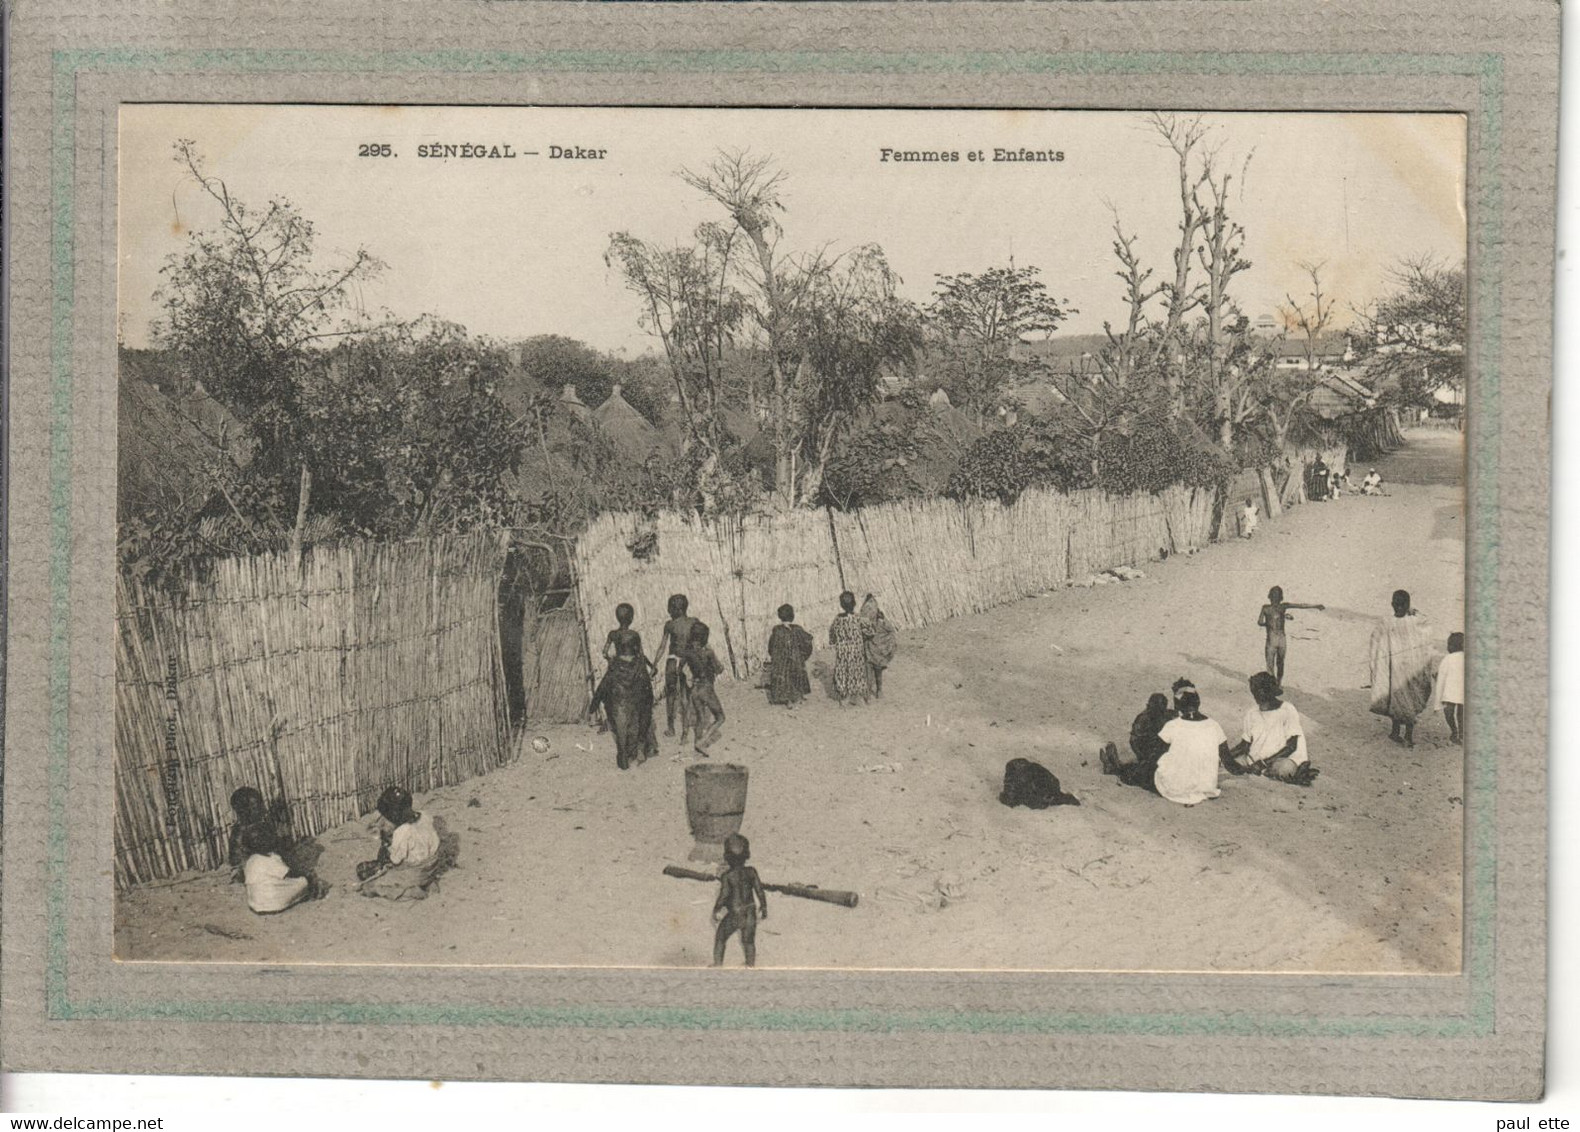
(1019,568)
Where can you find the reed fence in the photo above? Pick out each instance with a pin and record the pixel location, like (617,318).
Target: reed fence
(371,665)
(927,560)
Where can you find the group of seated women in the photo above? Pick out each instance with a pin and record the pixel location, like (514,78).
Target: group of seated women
(1179,752)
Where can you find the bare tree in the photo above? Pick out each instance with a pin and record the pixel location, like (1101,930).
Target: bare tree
(1310,321)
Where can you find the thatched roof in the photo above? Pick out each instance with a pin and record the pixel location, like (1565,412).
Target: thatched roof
(626,428)
(1338,395)
(573,403)
(176,445)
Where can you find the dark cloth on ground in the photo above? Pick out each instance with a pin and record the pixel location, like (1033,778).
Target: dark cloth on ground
(1030,784)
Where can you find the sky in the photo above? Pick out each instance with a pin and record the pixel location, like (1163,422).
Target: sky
(513,247)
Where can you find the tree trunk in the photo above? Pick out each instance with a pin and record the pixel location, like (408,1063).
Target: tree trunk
(1271,503)
(303,497)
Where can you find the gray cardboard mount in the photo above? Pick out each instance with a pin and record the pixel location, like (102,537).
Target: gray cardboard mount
(67,1005)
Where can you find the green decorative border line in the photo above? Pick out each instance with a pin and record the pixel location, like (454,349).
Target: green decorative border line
(1487,69)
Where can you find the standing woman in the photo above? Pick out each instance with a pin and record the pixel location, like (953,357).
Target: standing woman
(789,648)
(1401,669)
(881,645)
(849,635)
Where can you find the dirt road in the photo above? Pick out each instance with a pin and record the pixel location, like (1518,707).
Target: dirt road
(561,854)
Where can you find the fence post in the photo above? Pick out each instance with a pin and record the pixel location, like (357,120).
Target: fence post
(833,537)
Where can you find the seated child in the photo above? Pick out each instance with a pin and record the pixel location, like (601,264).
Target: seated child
(704,667)
(247,804)
(409,859)
(1145,745)
(271,885)
(740,895)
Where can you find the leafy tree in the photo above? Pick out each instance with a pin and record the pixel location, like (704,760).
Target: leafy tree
(245,308)
(827,325)
(873,463)
(410,436)
(977,323)
(691,305)
(1414,338)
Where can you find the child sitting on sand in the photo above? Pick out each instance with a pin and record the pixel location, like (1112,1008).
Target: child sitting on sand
(271,885)
(409,859)
(740,896)
(248,805)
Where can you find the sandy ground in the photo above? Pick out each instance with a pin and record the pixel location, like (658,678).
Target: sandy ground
(561,854)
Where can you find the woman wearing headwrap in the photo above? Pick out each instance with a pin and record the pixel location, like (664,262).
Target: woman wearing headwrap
(881,645)
(1188,771)
(1401,669)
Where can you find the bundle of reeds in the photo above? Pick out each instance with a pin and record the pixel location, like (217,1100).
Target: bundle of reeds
(318,683)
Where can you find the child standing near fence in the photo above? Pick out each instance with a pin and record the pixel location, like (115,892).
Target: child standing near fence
(672,646)
(704,666)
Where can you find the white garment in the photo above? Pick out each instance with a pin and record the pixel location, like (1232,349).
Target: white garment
(414,843)
(268,887)
(1449,688)
(1268,731)
(1188,771)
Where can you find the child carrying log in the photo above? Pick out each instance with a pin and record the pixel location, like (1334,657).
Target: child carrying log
(740,897)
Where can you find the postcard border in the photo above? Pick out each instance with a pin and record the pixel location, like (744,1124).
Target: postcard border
(1484,235)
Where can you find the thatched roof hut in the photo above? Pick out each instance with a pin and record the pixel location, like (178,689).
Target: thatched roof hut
(626,428)
(573,404)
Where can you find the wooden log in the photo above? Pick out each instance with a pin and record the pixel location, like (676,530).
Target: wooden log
(805,891)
